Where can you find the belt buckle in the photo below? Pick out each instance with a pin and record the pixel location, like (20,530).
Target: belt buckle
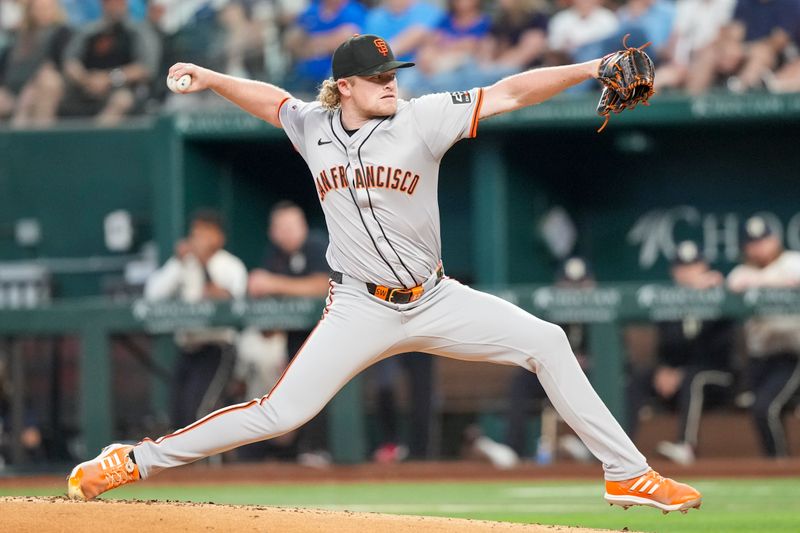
(415,293)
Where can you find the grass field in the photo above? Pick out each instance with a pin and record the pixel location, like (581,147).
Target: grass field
(757,505)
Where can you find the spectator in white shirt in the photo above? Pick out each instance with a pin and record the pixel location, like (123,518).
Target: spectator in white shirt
(200,269)
(697,24)
(773,341)
(587,21)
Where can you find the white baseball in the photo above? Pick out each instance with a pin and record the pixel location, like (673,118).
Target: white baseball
(183,83)
(180,85)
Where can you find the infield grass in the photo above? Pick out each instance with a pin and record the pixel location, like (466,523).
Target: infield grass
(750,505)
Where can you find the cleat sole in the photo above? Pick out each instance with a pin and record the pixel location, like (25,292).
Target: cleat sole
(628,501)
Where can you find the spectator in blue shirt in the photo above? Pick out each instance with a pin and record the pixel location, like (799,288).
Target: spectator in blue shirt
(762,18)
(405,24)
(81,12)
(517,37)
(643,21)
(749,48)
(654,18)
(318,31)
(447,60)
(464,20)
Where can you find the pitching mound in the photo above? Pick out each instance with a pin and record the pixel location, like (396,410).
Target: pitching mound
(43,515)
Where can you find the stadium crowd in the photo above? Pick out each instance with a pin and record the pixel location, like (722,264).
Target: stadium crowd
(106,58)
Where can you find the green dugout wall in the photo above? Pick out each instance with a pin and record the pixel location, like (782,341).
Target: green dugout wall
(69,179)
(678,169)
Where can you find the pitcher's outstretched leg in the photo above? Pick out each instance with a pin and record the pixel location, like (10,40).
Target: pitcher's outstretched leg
(340,347)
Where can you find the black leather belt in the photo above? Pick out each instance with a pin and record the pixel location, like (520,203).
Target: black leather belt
(393,294)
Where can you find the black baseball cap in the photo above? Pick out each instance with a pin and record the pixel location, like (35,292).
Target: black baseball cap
(364,55)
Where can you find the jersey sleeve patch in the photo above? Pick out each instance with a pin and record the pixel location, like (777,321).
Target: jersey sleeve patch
(461,97)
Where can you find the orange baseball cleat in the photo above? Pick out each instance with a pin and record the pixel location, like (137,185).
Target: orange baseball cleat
(653,490)
(109,470)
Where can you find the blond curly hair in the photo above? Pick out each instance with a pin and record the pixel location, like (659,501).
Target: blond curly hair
(329,95)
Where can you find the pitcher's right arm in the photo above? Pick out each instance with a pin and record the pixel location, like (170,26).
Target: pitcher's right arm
(257,98)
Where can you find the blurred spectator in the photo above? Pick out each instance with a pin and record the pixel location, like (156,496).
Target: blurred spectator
(749,48)
(173,15)
(787,78)
(30,435)
(221,34)
(137,9)
(589,30)
(652,19)
(446,62)
(405,24)
(243,44)
(572,29)
(275,17)
(84,11)
(11,14)
(189,32)
(200,269)
(697,24)
(283,12)
(693,361)
(319,30)
(31,83)
(419,368)
(295,265)
(773,342)
(109,65)
(517,36)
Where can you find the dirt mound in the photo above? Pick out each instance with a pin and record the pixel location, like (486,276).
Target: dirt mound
(43,515)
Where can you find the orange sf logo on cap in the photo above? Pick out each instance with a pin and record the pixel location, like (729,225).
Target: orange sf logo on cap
(382,47)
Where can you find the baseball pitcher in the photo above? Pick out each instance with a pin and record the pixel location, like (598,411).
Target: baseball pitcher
(374,162)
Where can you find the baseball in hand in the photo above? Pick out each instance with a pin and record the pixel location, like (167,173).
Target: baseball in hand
(180,85)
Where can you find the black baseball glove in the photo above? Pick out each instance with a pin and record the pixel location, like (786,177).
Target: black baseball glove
(627,77)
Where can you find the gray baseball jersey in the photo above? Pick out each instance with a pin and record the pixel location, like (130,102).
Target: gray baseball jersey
(378,188)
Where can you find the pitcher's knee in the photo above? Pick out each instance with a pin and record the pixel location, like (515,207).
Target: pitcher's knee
(541,343)
(551,338)
(280,419)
